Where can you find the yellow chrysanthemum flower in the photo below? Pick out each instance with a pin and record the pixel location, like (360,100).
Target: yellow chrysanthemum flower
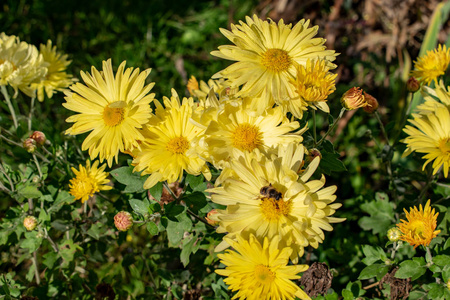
(432,65)
(313,84)
(88,180)
(419,229)
(268,198)
(434,98)
(258,271)
(235,128)
(56,79)
(113,108)
(171,144)
(431,135)
(267,54)
(21,65)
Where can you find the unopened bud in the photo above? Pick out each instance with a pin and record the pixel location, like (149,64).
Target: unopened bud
(29,145)
(412,85)
(30,223)
(210,217)
(39,137)
(353,99)
(394,234)
(372,103)
(123,220)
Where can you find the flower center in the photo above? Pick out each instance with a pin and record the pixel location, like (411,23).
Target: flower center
(114,113)
(264,275)
(178,145)
(444,145)
(273,209)
(82,186)
(276,60)
(247,137)
(418,227)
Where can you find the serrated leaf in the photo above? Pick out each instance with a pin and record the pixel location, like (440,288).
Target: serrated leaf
(29,191)
(96,230)
(410,269)
(330,162)
(187,249)
(373,254)
(31,242)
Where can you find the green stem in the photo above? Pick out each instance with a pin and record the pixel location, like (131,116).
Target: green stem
(7,177)
(199,218)
(10,106)
(37,166)
(36,270)
(383,131)
(330,129)
(30,116)
(426,187)
(314,127)
(404,119)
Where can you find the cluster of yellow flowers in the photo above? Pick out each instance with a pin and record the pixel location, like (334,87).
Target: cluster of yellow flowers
(32,71)
(430,130)
(237,122)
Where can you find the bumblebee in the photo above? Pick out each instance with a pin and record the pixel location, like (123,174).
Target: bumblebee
(270,192)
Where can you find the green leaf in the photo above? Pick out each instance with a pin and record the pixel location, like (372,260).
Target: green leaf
(172,210)
(140,206)
(176,230)
(195,182)
(29,191)
(373,254)
(375,270)
(410,269)
(195,201)
(67,252)
(96,230)
(446,273)
(441,260)
(381,215)
(156,191)
(416,295)
(152,228)
(436,291)
(330,162)
(134,181)
(188,247)
(50,259)
(31,242)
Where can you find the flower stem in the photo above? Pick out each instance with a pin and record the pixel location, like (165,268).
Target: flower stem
(37,166)
(30,116)
(10,106)
(331,128)
(383,131)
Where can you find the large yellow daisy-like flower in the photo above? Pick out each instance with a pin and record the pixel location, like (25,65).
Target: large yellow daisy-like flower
(235,128)
(269,198)
(432,65)
(171,144)
(88,180)
(267,54)
(56,79)
(313,85)
(21,65)
(260,271)
(113,108)
(431,135)
(434,98)
(419,229)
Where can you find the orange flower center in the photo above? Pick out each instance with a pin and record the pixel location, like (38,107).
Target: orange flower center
(178,145)
(114,113)
(276,60)
(247,137)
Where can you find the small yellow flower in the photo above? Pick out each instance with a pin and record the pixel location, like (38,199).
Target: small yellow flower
(88,180)
(432,65)
(419,229)
(260,271)
(313,84)
(192,85)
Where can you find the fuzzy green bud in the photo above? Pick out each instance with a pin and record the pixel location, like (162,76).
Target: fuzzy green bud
(394,234)
(29,145)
